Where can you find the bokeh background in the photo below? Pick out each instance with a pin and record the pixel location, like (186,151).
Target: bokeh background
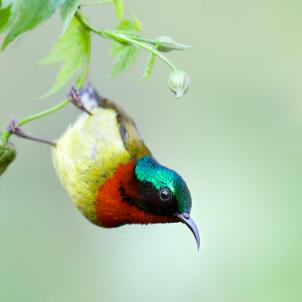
(236,138)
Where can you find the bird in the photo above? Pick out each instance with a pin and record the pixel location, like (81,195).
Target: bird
(111,175)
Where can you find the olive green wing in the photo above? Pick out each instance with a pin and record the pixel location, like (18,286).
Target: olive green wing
(130,135)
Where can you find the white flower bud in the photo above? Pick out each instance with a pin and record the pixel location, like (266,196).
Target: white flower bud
(179,82)
(165,44)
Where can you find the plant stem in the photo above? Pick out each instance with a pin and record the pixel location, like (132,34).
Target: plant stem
(118,36)
(39,115)
(91,3)
(150,41)
(6,134)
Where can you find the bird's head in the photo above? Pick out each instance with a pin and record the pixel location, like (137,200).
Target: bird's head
(163,192)
(144,191)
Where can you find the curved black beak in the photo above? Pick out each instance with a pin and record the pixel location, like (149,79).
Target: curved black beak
(186,219)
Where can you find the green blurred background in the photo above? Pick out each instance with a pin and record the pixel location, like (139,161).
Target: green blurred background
(236,138)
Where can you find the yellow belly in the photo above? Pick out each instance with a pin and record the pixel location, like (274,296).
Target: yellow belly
(87,154)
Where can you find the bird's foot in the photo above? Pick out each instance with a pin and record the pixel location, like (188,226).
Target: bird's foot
(74,97)
(15,129)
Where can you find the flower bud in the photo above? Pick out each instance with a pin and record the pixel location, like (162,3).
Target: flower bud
(179,82)
(166,44)
(7,154)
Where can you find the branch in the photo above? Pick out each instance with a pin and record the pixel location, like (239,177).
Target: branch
(123,37)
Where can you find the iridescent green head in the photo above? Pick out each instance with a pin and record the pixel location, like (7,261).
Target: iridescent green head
(162,191)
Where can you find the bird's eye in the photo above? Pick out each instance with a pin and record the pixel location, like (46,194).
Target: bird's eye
(165,194)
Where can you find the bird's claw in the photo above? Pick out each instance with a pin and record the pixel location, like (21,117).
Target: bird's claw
(75,98)
(15,129)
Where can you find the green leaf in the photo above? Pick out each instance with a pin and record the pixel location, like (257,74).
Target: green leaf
(150,66)
(73,48)
(126,26)
(137,23)
(27,14)
(68,10)
(4,16)
(125,56)
(119,8)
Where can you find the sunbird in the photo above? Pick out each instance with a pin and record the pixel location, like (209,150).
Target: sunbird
(109,172)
